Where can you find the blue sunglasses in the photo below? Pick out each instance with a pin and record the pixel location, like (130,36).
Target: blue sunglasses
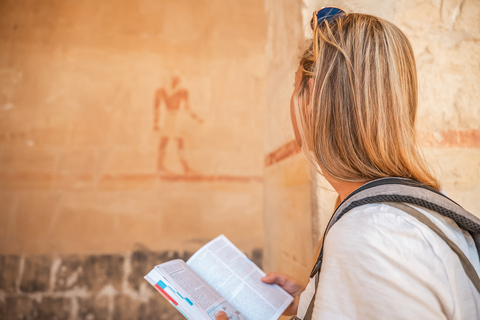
(326,13)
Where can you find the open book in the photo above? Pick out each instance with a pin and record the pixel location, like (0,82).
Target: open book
(219,277)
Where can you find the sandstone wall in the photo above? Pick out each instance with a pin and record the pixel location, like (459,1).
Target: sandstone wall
(288,212)
(96,186)
(96,159)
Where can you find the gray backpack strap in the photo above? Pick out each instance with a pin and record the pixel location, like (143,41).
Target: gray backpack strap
(309,312)
(467,265)
(406,191)
(398,191)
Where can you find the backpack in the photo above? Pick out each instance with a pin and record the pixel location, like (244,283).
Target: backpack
(398,193)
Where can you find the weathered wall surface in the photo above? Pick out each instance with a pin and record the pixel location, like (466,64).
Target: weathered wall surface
(130,133)
(95,286)
(127,126)
(90,163)
(288,207)
(447,48)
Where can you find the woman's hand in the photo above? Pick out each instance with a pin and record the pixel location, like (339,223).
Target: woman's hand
(287,283)
(221,316)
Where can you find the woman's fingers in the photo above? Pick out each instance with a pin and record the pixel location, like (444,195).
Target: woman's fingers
(221,316)
(275,278)
(287,283)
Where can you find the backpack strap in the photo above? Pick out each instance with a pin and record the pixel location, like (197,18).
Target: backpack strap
(396,192)
(467,265)
(309,312)
(406,191)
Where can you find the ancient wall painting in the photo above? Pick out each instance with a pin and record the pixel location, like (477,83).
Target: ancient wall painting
(170,108)
(173,117)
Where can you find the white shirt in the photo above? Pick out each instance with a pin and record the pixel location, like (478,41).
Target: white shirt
(381,263)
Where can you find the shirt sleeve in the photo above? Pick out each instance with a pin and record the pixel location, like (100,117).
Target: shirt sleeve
(378,264)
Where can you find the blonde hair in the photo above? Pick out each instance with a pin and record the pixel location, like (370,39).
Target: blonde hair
(357,123)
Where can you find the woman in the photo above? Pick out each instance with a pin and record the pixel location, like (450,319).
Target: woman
(353,112)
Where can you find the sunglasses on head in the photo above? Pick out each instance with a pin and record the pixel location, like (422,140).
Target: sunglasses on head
(325,14)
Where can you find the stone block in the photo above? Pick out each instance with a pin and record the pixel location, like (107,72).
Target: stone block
(178,218)
(26,159)
(209,209)
(100,270)
(26,167)
(3,309)
(18,308)
(127,182)
(288,203)
(155,309)
(36,275)
(143,261)
(456,168)
(132,160)
(29,126)
(9,268)
(97,223)
(187,255)
(33,218)
(70,273)
(93,308)
(91,131)
(48,135)
(52,308)
(76,168)
(257,257)
(26,180)
(8,205)
(85,227)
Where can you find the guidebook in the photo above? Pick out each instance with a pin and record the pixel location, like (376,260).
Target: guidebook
(219,277)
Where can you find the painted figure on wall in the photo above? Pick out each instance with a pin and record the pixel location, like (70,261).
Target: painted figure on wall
(170,107)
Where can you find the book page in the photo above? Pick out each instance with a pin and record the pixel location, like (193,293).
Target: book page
(194,297)
(229,271)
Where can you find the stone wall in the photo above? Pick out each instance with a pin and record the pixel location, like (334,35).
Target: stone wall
(128,129)
(130,123)
(88,163)
(94,189)
(87,287)
(289,246)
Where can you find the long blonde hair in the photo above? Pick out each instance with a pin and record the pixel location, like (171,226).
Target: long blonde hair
(357,123)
